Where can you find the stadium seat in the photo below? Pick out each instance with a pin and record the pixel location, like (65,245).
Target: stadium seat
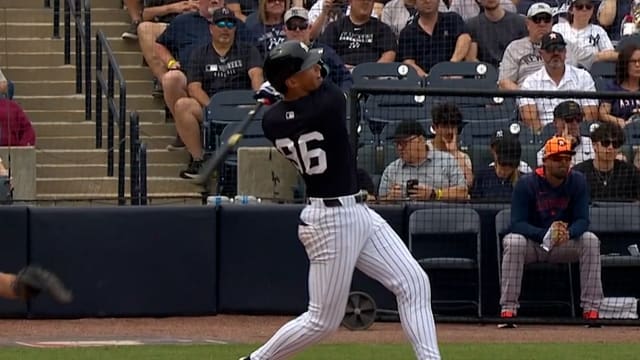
(375,158)
(541,293)
(382,110)
(549,130)
(226,107)
(446,243)
(617,227)
(480,133)
(632,130)
(393,74)
(603,72)
(463,75)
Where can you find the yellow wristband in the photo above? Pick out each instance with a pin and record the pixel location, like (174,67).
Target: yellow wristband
(439,193)
(171,63)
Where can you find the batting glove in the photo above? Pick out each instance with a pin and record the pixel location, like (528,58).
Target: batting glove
(267,94)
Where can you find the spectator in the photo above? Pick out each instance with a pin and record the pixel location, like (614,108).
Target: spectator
(432,38)
(496,181)
(447,124)
(242,8)
(266,25)
(551,207)
(611,15)
(420,173)
(589,36)
(523,167)
(492,30)
(627,80)
(471,8)
(567,117)
(297,28)
(360,38)
(15,127)
(220,65)
(609,178)
(555,76)
(323,12)
(172,48)
(522,57)
(134,8)
(6,87)
(156,16)
(399,13)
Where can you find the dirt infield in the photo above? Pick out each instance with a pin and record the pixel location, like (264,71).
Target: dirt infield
(256,329)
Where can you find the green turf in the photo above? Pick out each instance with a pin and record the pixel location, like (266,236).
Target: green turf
(333,352)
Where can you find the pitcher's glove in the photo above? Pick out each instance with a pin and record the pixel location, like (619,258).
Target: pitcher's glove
(31,280)
(267,94)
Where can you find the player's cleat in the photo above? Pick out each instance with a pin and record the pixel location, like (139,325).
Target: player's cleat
(590,315)
(507,314)
(245,358)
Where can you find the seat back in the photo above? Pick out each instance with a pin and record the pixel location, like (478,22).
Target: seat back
(381,110)
(632,130)
(603,72)
(480,133)
(463,75)
(616,226)
(394,74)
(450,223)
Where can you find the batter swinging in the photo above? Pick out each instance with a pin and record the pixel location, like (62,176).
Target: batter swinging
(338,231)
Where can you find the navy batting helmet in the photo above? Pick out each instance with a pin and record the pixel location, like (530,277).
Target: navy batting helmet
(286,59)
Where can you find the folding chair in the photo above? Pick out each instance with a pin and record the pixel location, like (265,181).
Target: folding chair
(226,107)
(503,223)
(446,243)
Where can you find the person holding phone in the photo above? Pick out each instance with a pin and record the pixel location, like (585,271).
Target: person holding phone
(420,173)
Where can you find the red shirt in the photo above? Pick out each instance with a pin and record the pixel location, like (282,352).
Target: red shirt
(15,127)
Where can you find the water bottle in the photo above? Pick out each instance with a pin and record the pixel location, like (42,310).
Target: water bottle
(246,199)
(217,200)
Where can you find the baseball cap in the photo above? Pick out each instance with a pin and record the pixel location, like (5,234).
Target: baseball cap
(557,145)
(408,128)
(552,39)
(287,59)
(223,14)
(539,8)
(296,11)
(567,109)
(508,151)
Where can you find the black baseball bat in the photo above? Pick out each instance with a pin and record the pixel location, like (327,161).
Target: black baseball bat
(222,152)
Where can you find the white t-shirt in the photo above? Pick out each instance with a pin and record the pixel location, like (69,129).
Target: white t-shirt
(316,10)
(591,37)
(574,79)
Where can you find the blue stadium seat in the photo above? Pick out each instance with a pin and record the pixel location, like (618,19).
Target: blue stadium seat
(226,107)
(632,131)
(379,74)
(480,133)
(382,110)
(603,72)
(462,75)
(375,158)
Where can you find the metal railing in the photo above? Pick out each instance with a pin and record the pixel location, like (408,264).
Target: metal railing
(138,167)
(81,12)
(113,111)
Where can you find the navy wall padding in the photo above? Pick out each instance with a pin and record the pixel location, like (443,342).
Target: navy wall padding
(13,256)
(127,261)
(262,265)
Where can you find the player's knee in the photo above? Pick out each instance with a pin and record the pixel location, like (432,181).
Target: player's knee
(514,242)
(324,323)
(590,241)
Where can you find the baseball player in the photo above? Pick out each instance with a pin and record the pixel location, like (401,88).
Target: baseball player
(30,281)
(338,231)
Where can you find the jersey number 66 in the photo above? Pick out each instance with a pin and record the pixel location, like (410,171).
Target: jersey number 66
(307,161)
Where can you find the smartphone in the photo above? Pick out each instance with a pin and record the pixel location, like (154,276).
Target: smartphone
(411,184)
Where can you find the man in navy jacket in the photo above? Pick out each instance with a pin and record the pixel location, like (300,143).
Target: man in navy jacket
(549,222)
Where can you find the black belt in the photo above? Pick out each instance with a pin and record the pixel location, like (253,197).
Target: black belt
(360,198)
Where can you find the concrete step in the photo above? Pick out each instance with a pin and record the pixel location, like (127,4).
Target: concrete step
(92,170)
(99,156)
(39,4)
(68,72)
(89,142)
(88,128)
(68,87)
(77,102)
(44,15)
(106,185)
(34,44)
(77,116)
(57,58)
(45,29)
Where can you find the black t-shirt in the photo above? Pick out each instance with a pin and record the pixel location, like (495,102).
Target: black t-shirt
(359,44)
(217,73)
(621,183)
(164,18)
(311,132)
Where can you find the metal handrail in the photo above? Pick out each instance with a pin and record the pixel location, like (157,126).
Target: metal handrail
(138,169)
(81,11)
(120,111)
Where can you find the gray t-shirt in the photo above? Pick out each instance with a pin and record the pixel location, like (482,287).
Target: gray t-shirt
(439,171)
(494,37)
(522,58)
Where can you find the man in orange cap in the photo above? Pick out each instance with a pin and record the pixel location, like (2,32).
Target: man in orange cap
(549,222)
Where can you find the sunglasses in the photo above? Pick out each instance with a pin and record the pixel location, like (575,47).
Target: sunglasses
(228,24)
(541,19)
(583,7)
(606,143)
(297,25)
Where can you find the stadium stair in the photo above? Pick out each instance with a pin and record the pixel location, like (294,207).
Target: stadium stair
(68,165)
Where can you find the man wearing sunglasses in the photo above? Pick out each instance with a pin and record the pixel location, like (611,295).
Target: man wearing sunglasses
(555,75)
(223,64)
(522,57)
(567,117)
(297,27)
(551,207)
(609,178)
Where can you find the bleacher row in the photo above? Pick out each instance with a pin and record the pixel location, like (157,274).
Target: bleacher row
(377,115)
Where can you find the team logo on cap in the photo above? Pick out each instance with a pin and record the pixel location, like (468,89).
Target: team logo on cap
(553,36)
(561,143)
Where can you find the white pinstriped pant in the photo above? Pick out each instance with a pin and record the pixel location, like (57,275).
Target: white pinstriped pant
(337,240)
